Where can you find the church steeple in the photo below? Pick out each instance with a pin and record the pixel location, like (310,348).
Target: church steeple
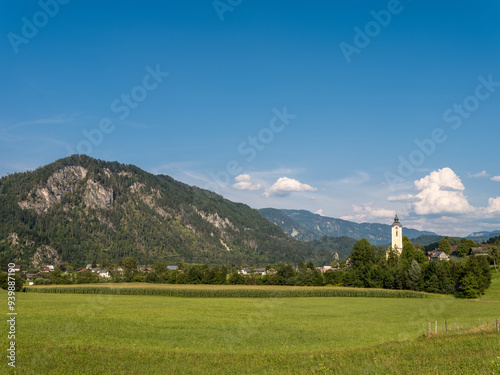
(396,221)
(397,236)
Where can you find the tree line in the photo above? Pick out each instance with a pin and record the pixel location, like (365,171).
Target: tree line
(369,266)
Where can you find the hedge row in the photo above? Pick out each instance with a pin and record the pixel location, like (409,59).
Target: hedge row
(235,293)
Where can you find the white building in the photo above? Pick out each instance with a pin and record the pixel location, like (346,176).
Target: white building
(397,236)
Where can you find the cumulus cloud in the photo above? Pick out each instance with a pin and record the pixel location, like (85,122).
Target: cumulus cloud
(319,212)
(440,192)
(366,212)
(495,178)
(244,182)
(478,175)
(404,198)
(493,205)
(285,186)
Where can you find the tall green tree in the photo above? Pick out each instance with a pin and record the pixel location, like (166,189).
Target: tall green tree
(129,268)
(494,256)
(414,274)
(362,253)
(475,273)
(408,252)
(444,246)
(464,246)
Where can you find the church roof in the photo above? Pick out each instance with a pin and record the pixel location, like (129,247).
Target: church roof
(396,222)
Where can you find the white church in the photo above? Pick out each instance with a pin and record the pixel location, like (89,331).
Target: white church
(397,236)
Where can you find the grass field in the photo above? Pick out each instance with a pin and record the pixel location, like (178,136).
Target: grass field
(115,334)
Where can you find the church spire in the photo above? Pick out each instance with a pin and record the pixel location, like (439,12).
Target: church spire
(397,235)
(396,222)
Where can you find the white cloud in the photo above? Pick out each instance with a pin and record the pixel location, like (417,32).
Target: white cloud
(493,205)
(244,182)
(495,178)
(365,212)
(441,191)
(319,212)
(478,175)
(358,179)
(404,198)
(285,186)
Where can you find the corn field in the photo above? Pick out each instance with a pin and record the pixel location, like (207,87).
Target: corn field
(234,293)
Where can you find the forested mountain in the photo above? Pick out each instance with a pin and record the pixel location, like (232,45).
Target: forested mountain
(306,223)
(341,245)
(426,239)
(289,226)
(82,210)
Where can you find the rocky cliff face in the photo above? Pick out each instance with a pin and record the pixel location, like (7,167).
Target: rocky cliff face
(63,182)
(60,183)
(97,196)
(46,255)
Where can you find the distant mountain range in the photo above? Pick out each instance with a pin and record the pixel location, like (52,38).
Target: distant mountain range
(306,226)
(483,236)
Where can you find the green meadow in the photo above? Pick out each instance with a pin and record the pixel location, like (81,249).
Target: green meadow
(137,334)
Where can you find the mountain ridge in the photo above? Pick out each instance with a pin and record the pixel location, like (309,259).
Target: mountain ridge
(319,226)
(81,210)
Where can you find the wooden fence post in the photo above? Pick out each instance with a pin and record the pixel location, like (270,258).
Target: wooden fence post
(446,326)
(498,325)
(429,329)
(436,327)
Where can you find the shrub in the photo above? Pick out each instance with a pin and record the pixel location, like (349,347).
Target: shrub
(4,281)
(41,281)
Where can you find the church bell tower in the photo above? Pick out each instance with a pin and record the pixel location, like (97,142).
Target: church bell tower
(397,236)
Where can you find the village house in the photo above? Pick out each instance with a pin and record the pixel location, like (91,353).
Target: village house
(261,271)
(245,271)
(480,251)
(104,273)
(436,255)
(325,267)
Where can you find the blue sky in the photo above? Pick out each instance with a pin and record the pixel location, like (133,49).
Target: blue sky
(353,109)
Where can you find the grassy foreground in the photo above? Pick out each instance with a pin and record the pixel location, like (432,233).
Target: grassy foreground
(118,334)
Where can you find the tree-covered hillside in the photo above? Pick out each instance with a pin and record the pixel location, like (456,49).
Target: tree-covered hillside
(340,245)
(82,210)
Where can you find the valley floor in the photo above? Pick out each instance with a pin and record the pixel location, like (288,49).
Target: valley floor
(114,334)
